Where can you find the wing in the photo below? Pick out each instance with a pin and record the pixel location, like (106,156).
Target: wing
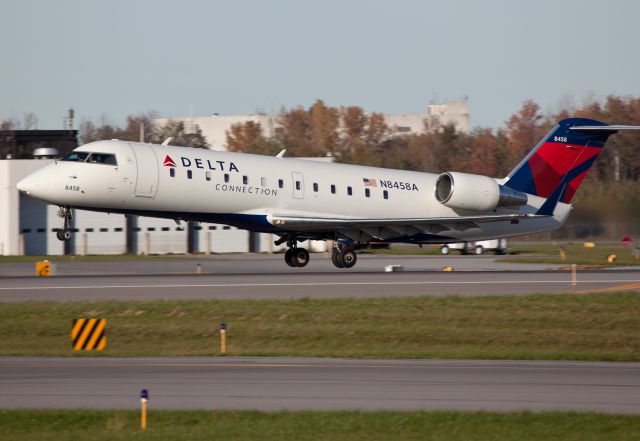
(388,228)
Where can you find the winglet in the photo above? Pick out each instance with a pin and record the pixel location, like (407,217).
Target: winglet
(167,141)
(281,154)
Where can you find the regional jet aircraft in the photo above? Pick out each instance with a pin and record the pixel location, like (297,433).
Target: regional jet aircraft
(298,199)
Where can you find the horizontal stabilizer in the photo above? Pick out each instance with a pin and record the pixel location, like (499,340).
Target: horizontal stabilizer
(603,128)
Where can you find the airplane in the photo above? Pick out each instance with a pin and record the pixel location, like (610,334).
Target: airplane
(298,199)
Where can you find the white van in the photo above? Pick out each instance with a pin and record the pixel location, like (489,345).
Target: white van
(498,246)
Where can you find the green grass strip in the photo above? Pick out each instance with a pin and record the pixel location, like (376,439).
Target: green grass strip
(301,426)
(553,327)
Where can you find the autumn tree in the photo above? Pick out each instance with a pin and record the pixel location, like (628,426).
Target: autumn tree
(323,127)
(481,156)
(89,132)
(8,124)
(292,132)
(362,137)
(139,125)
(180,135)
(524,130)
(247,137)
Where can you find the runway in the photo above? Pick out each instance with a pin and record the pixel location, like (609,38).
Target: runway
(265,277)
(270,384)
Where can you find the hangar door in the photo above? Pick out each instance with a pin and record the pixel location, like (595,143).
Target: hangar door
(147,167)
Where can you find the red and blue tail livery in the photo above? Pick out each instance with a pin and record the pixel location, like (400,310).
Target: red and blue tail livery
(560,162)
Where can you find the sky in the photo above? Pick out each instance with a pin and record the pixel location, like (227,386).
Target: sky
(109,59)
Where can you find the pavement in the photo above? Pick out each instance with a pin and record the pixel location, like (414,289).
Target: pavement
(270,384)
(267,277)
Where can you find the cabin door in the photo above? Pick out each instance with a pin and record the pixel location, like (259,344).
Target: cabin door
(147,168)
(298,185)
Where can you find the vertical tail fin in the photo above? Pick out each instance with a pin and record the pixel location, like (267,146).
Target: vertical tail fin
(555,168)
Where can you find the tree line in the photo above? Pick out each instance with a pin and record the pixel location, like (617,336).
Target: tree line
(138,128)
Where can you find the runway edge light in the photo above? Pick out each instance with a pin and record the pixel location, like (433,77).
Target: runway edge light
(223,338)
(144,397)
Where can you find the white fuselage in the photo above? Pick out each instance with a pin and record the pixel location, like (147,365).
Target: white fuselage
(245,190)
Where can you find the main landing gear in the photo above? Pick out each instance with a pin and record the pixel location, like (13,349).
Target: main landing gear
(65,233)
(294,257)
(343,256)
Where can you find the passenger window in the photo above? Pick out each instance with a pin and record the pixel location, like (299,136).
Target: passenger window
(280,183)
(189,174)
(367,192)
(172,172)
(207,175)
(263,182)
(297,185)
(333,189)
(315,187)
(385,194)
(245,180)
(226,177)
(349,191)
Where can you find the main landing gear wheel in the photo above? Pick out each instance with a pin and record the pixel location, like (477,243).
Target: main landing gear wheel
(296,257)
(288,257)
(344,258)
(348,258)
(336,258)
(300,257)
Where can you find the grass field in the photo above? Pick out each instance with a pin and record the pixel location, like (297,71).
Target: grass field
(574,253)
(569,327)
(330,426)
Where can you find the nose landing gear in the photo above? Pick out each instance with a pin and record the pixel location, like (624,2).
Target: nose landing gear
(65,233)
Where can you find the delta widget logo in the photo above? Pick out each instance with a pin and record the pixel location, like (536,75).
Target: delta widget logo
(168,162)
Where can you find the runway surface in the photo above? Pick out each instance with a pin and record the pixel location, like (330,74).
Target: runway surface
(262,277)
(271,384)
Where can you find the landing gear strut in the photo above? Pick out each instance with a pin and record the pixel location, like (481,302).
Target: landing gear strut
(65,233)
(295,257)
(343,256)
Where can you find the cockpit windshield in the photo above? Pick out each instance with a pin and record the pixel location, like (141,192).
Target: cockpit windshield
(102,158)
(76,157)
(92,158)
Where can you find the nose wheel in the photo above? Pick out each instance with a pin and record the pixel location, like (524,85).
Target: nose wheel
(65,233)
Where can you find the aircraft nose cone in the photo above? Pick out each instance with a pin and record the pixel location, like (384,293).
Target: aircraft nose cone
(27,185)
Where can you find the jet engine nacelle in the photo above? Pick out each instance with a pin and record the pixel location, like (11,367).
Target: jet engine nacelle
(475,192)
